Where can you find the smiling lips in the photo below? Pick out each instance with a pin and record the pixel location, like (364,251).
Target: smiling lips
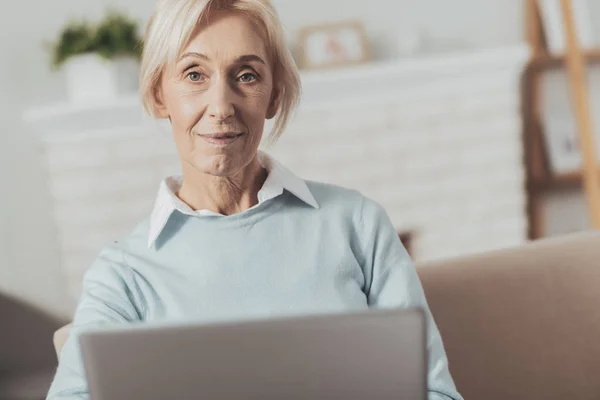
(221,139)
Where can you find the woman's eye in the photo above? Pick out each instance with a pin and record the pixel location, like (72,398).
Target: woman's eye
(195,76)
(247,77)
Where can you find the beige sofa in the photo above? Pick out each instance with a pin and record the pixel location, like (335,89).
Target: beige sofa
(27,361)
(521,323)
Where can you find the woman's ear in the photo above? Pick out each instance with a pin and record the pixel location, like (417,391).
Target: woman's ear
(159,104)
(275,103)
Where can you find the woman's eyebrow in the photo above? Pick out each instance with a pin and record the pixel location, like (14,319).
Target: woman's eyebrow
(193,54)
(249,58)
(240,59)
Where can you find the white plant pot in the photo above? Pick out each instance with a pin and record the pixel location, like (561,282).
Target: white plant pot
(91,78)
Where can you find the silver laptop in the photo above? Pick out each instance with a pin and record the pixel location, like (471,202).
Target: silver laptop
(367,355)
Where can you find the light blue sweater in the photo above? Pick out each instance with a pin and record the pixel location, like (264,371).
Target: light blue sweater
(282,257)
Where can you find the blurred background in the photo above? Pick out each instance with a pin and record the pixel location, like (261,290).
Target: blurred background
(432,108)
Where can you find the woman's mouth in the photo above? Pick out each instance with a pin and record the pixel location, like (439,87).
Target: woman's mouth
(221,139)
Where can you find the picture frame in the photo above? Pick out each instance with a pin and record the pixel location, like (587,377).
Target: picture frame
(554,29)
(562,144)
(338,44)
(558,122)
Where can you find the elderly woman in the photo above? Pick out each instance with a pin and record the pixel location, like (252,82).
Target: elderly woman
(238,235)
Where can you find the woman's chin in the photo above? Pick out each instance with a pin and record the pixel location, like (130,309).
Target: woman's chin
(221,165)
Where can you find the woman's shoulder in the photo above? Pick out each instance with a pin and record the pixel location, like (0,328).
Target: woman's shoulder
(112,263)
(343,198)
(115,252)
(327,192)
(131,237)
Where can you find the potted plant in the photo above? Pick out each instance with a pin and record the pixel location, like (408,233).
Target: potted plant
(99,61)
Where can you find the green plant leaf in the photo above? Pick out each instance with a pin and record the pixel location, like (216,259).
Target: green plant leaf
(116,35)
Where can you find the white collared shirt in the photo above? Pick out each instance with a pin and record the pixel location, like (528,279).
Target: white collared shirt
(279,179)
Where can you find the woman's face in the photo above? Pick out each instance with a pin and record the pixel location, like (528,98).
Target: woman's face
(218,94)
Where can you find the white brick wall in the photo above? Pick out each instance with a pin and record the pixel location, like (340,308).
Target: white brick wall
(449,168)
(437,144)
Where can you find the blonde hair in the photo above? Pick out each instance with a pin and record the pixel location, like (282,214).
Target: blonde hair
(171,27)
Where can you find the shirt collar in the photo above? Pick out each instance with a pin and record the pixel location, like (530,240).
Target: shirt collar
(279,179)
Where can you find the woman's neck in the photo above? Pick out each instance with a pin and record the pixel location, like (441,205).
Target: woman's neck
(224,195)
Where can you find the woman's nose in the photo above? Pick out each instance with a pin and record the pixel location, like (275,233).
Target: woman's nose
(220,105)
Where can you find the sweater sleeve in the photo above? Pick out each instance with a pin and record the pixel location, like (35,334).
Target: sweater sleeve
(107,298)
(392,281)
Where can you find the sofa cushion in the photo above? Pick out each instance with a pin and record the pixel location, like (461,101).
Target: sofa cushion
(521,323)
(26,343)
(26,386)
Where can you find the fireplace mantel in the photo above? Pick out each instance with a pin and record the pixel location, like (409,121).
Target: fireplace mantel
(397,80)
